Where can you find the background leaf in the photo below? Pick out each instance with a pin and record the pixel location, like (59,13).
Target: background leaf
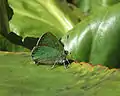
(6,45)
(33,18)
(5,15)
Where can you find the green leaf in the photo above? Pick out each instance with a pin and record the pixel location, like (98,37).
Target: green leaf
(22,77)
(84,5)
(105,48)
(35,17)
(87,6)
(96,39)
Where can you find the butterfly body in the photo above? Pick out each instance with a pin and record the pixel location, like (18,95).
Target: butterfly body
(49,50)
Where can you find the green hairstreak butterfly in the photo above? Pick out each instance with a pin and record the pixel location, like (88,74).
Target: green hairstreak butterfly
(49,50)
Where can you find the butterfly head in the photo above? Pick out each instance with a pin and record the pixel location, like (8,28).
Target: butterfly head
(62,59)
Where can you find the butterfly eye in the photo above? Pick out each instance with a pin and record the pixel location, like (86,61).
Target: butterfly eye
(66,52)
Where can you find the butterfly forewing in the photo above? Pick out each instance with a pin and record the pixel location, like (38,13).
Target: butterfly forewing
(50,40)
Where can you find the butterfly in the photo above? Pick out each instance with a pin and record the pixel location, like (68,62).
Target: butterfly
(49,50)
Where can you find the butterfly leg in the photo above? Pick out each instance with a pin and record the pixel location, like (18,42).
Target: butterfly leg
(66,65)
(67,61)
(36,62)
(54,65)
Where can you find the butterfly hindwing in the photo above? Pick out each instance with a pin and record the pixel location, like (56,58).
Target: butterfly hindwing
(45,54)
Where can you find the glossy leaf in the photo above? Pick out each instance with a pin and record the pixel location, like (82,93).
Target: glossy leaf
(96,39)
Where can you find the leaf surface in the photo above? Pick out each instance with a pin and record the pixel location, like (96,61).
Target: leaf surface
(20,76)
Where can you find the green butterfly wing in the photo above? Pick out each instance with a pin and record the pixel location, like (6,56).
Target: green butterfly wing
(48,39)
(48,50)
(46,55)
